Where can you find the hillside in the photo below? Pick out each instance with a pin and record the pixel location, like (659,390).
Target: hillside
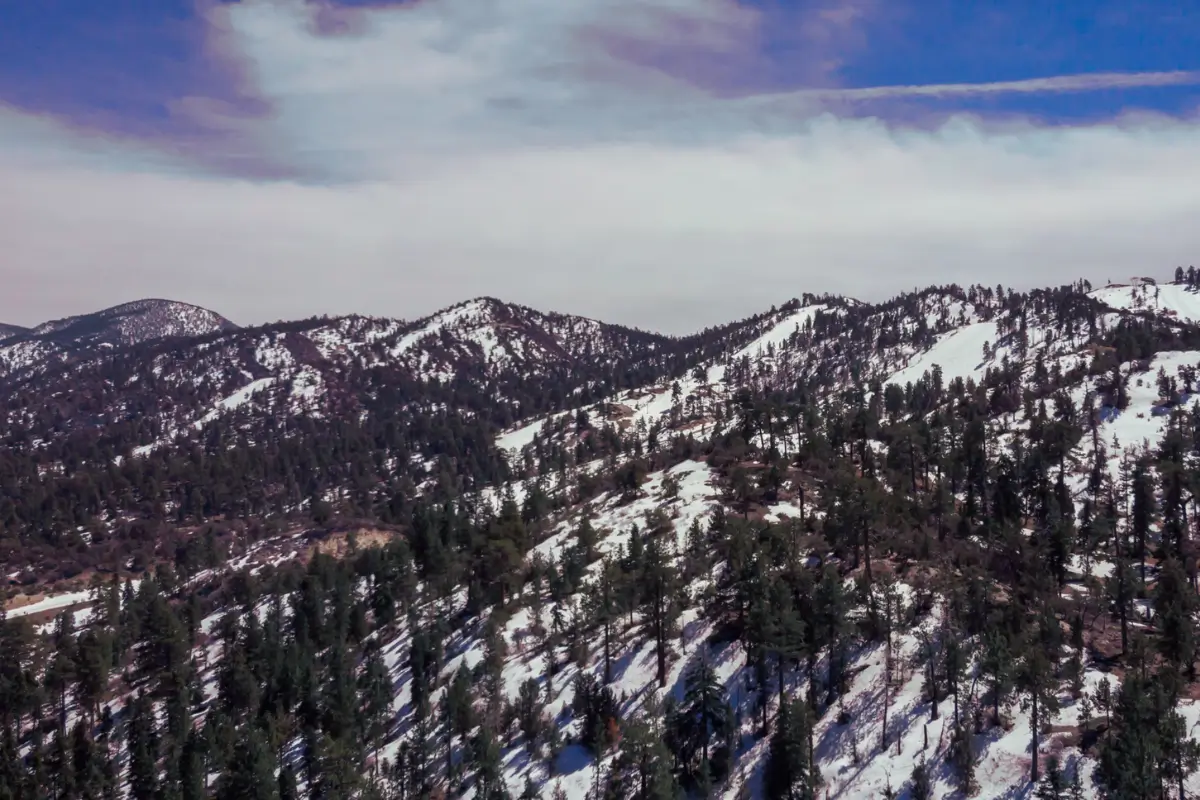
(38,348)
(10,330)
(940,546)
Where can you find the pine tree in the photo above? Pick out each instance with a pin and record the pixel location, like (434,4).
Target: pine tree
(458,713)
(1036,682)
(660,588)
(1175,606)
(920,786)
(423,663)
(192,766)
(1144,509)
(790,774)
(1075,791)
(288,788)
(530,715)
(1148,748)
(143,750)
(605,610)
(642,769)
(489,781)
(375,696)
(251,774)
(704,715)
(833,605)
(1054,784)
(997,664)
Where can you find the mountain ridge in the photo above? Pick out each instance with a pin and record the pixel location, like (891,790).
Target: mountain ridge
(125,325)
(584,529)
(7,330)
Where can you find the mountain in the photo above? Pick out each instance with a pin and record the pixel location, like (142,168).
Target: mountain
(838,549)
(120,326)
(10,330)
(132,323)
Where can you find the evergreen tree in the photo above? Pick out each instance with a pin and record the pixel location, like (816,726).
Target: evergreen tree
(997,664)
(251,774)
(790,773)
(642,769)
(920,785)
(1036,682)
(1053,785)
(375,697)
(143,750)
(660,586)
(1175,607)
(704,715)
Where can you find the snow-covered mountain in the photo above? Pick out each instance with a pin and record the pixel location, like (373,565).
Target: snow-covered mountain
(547,421)
(484,357)
(133,323)
(522,362)
(126,325)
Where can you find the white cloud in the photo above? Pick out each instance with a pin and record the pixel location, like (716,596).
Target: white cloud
(1055,84)
(505,151)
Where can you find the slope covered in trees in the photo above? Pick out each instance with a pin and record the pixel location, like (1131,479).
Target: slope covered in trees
(776,563)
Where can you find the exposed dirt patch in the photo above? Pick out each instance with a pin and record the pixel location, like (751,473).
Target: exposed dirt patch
(338,544)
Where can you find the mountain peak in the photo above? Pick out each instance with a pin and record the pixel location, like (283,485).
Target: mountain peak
(133,323)
(125,325)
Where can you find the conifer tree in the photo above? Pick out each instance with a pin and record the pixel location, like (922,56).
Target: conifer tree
(143,750)
(251,774)
(997,664)
(789,772)
(642,770)
(832,604)
(375,696)
(1053,785)
(703,716)
(661,608)
(1175,606)
(1036,682)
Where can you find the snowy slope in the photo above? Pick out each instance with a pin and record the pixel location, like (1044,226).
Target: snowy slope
(50,603)
(847,736)
(266,372)
(1171,300)
(959,353)
(689,402)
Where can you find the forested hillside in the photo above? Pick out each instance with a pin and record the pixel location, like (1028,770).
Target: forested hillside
(941,546)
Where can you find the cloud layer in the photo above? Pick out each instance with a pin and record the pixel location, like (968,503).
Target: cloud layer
(567,156)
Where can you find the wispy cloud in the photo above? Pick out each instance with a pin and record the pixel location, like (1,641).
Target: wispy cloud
(1090,82)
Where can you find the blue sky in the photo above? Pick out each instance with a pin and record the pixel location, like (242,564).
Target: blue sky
(229,153)
(118,66)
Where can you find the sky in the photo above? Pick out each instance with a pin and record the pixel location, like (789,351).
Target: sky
(668,164)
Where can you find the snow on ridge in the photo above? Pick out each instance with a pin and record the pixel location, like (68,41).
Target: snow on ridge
(448,318)
(272,353)
(518,438)
(1172,300)
(959,353)
(1138,426)
(781,331)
